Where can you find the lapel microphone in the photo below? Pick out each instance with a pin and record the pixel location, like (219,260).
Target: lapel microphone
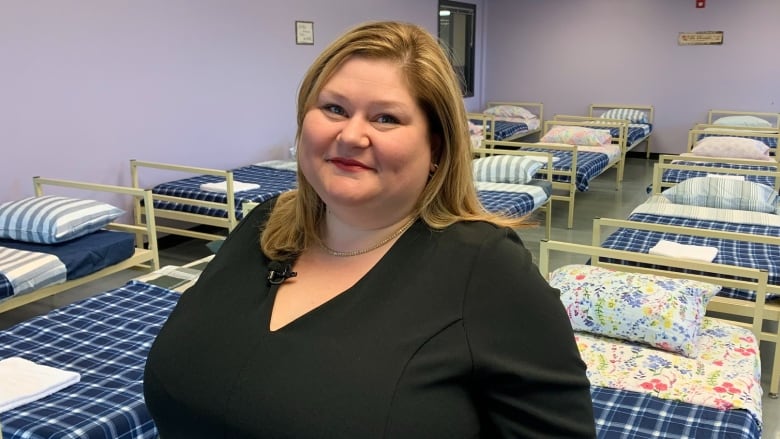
(279,272)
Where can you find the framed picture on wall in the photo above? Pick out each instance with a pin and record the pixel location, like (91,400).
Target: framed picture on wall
(304,32)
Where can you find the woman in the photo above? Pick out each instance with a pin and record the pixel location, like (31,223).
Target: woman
(411,313)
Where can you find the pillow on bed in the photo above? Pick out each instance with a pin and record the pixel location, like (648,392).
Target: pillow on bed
(574,135)
(506,169)
(743,121)
(475,128)
(725,193)
(731,147)
(52,219)
(630,114)
(659,311)
(510,111)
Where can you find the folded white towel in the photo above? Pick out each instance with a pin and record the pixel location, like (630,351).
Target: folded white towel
(541,159)
(221,186)
(684,251)
(728,177)
(22,381)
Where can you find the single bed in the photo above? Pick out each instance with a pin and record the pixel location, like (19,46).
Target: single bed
(766,126)
(737,119)
(105,339)
(629,125)
(506,121)
(727,221)
(643,382)
(63,238)
(507,181)
(189,203)
(673,169)
(767,136)
(578,159)
(718,151)
(639,120)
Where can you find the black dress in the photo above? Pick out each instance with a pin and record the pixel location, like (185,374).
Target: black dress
(453,334)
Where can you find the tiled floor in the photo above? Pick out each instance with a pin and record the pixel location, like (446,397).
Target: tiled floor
(602,200)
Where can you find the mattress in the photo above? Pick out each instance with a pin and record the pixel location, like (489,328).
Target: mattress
(506,129)
(679,175)
(636,133)
(514,199)
(78,257)
(105,338)
(740,253)
(629,414)
(589,166)
(272,182)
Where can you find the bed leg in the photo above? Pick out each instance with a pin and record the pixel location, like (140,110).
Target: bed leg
(647,148)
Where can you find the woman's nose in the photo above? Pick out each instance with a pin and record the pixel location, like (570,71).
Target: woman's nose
(355,132)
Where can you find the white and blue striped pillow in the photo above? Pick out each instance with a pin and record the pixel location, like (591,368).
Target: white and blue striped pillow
(630,114)
(53,219)
(724,193)
(506,169)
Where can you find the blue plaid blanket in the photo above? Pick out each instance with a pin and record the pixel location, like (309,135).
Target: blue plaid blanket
(679,175)
(739,253)
(516,200)
(105,338)
(589,166)
(627,414)
(636,133)
(505,129)
(272,182)
(508,203)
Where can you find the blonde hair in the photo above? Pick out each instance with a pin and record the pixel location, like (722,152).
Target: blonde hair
(450,195)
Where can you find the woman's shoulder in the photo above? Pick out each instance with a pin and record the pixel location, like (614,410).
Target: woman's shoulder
(476,235)
(478,230)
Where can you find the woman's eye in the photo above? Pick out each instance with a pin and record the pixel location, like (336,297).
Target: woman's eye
(386,118)
(335,109)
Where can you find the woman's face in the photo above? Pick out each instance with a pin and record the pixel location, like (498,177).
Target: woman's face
(365,143)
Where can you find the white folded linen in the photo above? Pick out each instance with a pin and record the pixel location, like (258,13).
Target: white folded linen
(684,251)
(539,158)
(23,381)
(726,176)
(221,186)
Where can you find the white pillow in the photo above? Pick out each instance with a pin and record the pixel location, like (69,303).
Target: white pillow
(52,219)
(510,111)
(743,121)
(474,128)
(731,147)
(506,169)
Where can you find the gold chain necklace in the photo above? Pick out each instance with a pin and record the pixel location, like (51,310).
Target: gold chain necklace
(395,234)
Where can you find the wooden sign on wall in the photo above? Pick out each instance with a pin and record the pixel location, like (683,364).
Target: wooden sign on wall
(706,38)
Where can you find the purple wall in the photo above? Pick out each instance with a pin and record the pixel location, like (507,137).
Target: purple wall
(87,85)
(571,53)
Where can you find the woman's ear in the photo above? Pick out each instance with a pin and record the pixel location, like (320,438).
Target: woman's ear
(435,148)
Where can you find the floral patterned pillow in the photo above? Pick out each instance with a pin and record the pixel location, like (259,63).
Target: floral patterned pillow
(662,312)
(574,135)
